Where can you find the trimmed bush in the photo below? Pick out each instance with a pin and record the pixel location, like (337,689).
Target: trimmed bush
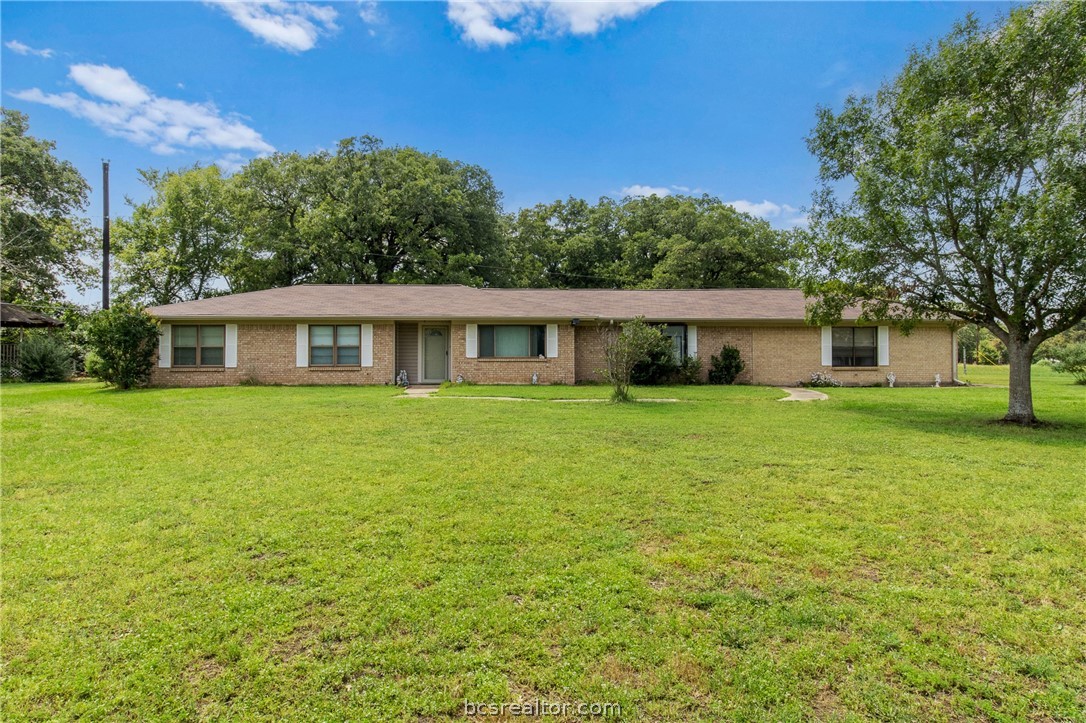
(122,342)
(689,372)
(725,368)
(45,358)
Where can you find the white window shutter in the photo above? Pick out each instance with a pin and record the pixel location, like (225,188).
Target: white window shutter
(367,345)
(231,346)
(164,341)
(827,346)
(471,341)
(884,346)
(552,340)
(303,345)
(691,341)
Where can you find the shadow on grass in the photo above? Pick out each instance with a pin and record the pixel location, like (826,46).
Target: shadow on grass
(980,421)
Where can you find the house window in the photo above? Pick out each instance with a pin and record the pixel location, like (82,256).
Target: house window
(855,346)
(198,346)
(512,341)
(677,334)
(334,346)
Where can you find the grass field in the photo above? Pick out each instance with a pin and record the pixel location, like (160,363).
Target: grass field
(342,553)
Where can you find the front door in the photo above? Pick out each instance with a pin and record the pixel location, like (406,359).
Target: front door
(435,354)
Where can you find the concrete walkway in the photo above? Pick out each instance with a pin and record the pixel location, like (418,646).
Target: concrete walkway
(428,392)
(799,394)
(422,391)
(795,394)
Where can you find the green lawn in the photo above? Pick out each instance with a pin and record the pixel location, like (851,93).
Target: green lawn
(341,553)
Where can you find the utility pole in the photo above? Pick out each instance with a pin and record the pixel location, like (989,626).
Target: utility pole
(105,234)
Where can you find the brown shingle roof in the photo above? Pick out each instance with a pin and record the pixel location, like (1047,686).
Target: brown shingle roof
(404,301)
(19,318)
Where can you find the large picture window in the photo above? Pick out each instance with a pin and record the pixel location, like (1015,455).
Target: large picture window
(855,346)
(512,341)
(334,346)
(198,345)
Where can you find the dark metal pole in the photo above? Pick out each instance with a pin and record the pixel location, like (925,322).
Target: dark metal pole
(105,234)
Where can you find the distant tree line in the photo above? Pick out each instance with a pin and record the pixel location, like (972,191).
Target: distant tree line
(365,213)
(373,214)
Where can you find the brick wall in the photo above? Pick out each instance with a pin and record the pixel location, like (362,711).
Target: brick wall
(559,370)
(785,355)
(773,355)
(266,355)
(711,339)
(588,347)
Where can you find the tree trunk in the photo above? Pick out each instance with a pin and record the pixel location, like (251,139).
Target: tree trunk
(1020,406)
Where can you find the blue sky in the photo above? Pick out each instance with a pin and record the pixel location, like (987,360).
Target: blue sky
(583,99)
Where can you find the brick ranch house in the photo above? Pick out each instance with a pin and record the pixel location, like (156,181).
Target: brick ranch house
(367,334)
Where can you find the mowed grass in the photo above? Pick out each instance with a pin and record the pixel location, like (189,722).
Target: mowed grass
(344,553)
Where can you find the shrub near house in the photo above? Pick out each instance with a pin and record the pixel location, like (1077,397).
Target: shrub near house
(725,368)
(122,344)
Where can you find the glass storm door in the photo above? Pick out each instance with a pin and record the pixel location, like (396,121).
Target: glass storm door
(434,353)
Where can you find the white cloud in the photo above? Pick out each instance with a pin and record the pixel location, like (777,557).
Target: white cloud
(123,108)
(640,191)
(780,214)
(765,209)
(23,49)
(231,163)
(370,12)
(487,23)
(292,26)
(113,84)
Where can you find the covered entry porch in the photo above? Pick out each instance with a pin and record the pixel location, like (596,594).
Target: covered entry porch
(422,351)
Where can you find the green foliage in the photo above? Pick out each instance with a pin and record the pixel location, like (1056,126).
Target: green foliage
(40,198)
(176,245)
(1072,360)
(681,242)
(689,371)
(965,188)
(657,367)
(364,214)
(44,357)
(272,200)
(123,340)
(399,215)
(725,367)
(1052,348)
(977,345)
(634,342)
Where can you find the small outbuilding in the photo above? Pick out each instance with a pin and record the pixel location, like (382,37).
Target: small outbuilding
(13,316)
(16,317)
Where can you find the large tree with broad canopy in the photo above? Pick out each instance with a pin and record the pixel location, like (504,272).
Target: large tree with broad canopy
(958,190)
